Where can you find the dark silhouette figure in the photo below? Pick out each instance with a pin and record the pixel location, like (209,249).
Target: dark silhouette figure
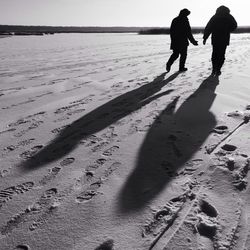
(220,26)
(107,245)
(170,143)
(97,120)
(180,33)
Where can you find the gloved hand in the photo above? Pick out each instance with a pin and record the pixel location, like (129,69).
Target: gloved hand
(195,43)
(204,41)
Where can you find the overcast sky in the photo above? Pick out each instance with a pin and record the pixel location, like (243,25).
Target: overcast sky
(115,12)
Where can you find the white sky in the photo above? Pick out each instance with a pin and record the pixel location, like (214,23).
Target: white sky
(115,12)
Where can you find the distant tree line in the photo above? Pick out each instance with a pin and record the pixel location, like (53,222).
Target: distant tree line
(195,30)
(36,30)
(162,31)
(40,30)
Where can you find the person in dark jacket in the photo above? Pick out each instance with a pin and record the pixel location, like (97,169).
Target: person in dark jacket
(180,34)
(220,26)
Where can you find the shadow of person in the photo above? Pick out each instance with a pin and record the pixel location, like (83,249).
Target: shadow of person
(97,120)
(107,245)
(171,141)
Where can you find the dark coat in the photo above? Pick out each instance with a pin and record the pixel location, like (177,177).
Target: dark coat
(220,26)
(180,33)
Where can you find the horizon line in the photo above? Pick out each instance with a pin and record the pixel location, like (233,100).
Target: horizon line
(96,26)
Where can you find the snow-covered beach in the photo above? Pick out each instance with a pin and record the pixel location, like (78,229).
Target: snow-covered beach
(101,149)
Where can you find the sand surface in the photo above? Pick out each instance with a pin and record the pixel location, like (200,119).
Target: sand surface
(101,149)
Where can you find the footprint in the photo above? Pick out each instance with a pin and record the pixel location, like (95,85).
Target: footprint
(98,163)
(30,153)
(43,203)
(25,142)
(90,192)
(111,169)
(7,131)
(220,129)
(240,173)
(47,204)
(109,134)
(99,146)
(134,128)
(44,217)
(10,148)
(58,130)
(77,111)
(235,114)
(96,185)
(228,147)
(67,161)
(8,193)
(88,176)
(21,133)
(20,144)
(90,140)
(207,224)
(18,122)
(86,196)
(47,197)
(110,151)
(191,167)
(28,119)
(101,161)
(50,176)
(66,108)
(208,209)
(166,216)
(44,94)
(34,125)
(240,183)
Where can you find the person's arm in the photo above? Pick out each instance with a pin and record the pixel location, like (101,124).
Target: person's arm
(207,30)
(234,24)
(172,29)
(190,35)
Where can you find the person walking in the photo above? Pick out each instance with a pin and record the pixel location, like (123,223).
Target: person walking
(180,34)
(220,26)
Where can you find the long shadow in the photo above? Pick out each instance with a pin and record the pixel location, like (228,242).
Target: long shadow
(171,141)
(97,120)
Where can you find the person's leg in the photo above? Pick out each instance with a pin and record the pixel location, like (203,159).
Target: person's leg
(183,58)
(171,60)
(218,58)
(221,58)
(215,59)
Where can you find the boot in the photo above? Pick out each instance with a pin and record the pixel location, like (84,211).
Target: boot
(168,67)
(183,69)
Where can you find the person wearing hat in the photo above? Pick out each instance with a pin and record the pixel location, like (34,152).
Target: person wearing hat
(220,26)
(180,34)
